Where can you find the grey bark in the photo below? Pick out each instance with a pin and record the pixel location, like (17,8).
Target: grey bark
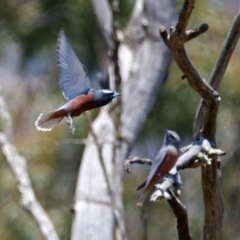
(143,62)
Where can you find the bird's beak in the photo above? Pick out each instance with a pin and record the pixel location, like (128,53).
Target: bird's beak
(116,95)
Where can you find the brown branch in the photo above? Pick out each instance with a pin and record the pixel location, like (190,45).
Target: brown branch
(213,199)
(206,116)
(180,211)
(211,97)
(196,32)
(113,53)
(185,14)
(207,113)
(226,53)
(219,70)
(115,77)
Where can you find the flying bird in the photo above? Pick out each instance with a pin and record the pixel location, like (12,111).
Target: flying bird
(164,162)
(76,88)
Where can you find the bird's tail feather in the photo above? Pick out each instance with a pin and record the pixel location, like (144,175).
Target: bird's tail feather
(47,121)
(142,185)
(142,199)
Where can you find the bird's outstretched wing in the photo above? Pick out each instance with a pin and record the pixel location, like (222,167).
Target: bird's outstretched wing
(72,75)
(159,159)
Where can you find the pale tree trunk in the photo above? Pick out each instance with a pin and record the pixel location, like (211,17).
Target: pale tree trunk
(143,64)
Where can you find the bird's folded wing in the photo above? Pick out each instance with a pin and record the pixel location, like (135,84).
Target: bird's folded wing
(156,164)
(72,75)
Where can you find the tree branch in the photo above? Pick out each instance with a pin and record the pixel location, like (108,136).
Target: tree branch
(219,69)
(207,113)
(131,160)
(19,168)
(180,212)
(185,14)
(196,32)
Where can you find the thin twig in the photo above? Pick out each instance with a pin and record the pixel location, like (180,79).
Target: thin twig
(73,141)
(99,150)
(5,118)
(196,32)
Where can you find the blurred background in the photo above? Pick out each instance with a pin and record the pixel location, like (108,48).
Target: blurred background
(28,79)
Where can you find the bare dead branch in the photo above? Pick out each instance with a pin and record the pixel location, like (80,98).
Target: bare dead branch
(99,149)
(175,40)
(226,53)
(207,113)
(5,118)
(219,70)
(131,160)
(28,200)
(162,189)
(211,97)
(213,199)
(185,14)
(115,75)
(196,32)
(18,166)
(180,211)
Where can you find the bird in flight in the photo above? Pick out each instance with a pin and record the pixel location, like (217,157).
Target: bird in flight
(164,162)
(76,88)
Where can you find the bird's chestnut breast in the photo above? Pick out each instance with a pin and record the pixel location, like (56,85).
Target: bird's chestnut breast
(169,160)
(80,104)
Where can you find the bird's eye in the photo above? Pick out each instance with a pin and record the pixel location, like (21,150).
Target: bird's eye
(172,137)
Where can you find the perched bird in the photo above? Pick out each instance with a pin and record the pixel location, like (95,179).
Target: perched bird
(76,88)
(165,160)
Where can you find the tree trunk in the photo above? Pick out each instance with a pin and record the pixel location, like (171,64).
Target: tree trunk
(143,62)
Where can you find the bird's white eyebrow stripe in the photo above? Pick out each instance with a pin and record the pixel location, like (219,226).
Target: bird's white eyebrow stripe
(107,91)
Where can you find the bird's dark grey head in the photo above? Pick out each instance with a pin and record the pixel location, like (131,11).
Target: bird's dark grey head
(172,138)
(103,97)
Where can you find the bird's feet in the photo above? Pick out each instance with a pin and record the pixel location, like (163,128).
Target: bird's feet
(70,123)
